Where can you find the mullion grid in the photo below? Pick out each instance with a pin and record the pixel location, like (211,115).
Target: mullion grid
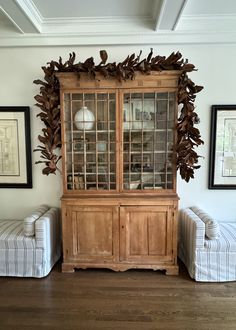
(166,144)
(84,153)
(154,140)
(107,162)
(130,140)
(72,143)
(96,141)
(108,165)
(142,120)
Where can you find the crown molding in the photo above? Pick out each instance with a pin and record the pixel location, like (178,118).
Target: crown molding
(36,31)
(207,23)
(97,25)
(98,39)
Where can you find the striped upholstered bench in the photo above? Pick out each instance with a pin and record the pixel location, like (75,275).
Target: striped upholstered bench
(207,247)
(30,247)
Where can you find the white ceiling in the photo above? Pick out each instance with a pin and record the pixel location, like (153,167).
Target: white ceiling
(89,22)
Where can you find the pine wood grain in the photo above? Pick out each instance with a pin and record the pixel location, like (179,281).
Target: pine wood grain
(120,227)
(103,299)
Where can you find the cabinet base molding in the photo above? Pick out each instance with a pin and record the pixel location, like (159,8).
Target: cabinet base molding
(71,267)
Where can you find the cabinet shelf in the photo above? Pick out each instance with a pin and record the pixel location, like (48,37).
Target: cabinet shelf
(81,132)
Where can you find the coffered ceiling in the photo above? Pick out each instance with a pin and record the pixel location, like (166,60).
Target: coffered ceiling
(91,22)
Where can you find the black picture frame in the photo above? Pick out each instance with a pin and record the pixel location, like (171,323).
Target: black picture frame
(222,162)
(15,147)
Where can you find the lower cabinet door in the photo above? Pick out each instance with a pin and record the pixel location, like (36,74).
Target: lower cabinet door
(90,233)
(146,234)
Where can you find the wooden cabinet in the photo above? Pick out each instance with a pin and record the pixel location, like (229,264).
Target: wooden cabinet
(120,234)
(119,200)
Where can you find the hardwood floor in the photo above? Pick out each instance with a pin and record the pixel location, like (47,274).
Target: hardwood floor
(103,299)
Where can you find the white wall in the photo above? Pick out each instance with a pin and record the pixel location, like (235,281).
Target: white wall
(216,72)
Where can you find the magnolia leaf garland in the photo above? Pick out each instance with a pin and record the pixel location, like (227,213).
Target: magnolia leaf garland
(48,100)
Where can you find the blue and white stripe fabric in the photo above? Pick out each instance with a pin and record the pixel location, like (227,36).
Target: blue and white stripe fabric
(30,256)
(207,260)
(212,229)
(29,221)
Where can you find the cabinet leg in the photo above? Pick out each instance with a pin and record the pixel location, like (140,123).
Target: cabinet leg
(67,268)
(174,270)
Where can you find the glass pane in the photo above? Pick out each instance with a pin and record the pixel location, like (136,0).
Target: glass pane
(148,124)
(90,141)
(66,97)
(112,111)
(76,96)
(112,126)
(102,113)
(89,97)
(112,168)
(102,96)
(112,96)
(149,96)
(162,96)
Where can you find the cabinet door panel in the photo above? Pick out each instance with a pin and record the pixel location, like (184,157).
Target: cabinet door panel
(146,234)
(92,233)
(148,138)
(89,141)
(158,233)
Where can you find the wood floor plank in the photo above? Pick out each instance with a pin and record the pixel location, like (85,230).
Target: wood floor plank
(103,299)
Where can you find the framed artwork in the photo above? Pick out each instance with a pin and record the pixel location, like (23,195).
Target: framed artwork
(222,167)
(15,148)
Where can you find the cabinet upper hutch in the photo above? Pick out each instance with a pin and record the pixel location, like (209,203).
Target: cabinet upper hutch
(119,203)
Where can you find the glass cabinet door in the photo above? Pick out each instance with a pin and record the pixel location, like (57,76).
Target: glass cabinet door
(90,137)
(148,137)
